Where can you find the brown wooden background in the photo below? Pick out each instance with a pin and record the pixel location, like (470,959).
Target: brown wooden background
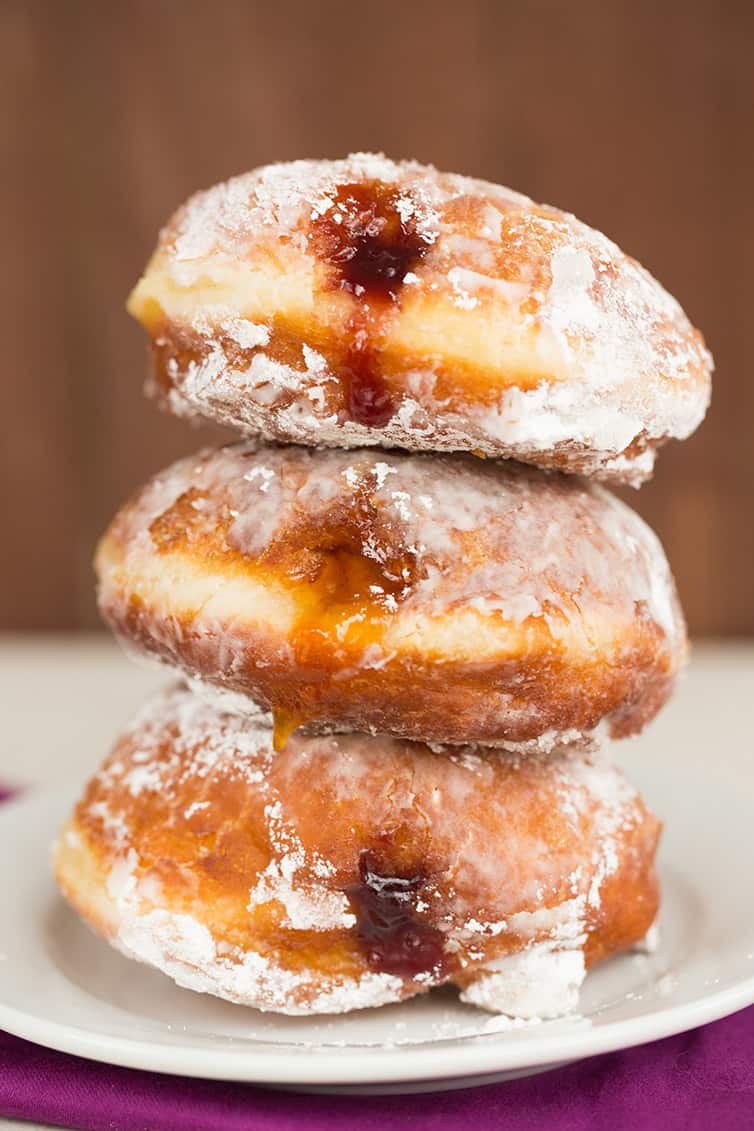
(637,116)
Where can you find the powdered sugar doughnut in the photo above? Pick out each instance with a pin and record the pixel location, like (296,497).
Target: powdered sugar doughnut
(352,871)
(439,598)
(363,301)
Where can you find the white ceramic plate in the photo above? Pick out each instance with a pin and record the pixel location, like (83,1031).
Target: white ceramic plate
(63,988)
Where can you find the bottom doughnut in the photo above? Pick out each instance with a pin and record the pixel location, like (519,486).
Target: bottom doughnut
(350,871)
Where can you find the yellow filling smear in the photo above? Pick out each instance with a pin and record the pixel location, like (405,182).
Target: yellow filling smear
(494,340)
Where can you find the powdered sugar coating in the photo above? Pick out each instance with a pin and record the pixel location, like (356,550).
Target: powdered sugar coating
(187,952)
(234,863)
(575,357)
(541,981)
(467,571)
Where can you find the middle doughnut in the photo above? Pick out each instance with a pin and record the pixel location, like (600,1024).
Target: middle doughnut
(431,597)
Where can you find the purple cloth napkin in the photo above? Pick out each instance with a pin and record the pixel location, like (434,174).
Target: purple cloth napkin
(699,1081)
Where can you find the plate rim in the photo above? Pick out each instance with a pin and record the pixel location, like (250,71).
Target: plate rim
(474,1057)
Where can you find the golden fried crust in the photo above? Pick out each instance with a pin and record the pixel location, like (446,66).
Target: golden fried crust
(351,870)
(435,598)
(364,301)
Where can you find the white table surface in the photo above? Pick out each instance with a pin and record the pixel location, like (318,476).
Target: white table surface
(63,698)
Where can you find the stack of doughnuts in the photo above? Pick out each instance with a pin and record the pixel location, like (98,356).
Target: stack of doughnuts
(404,613)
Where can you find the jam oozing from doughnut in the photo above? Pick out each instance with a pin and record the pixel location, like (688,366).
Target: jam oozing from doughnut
(342,594)
(371,240)
(351,561)
(368,400)
(347,571)
(394,939)
(284,722)
(341,575)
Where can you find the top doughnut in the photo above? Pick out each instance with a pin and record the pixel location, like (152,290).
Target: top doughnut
(364,301)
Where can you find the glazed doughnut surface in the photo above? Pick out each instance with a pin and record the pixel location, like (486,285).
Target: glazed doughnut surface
(363,301)
(438,598)
(352,871)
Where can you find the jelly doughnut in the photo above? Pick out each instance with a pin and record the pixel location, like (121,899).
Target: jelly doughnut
(433,597)
(350,870)
(363,301)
